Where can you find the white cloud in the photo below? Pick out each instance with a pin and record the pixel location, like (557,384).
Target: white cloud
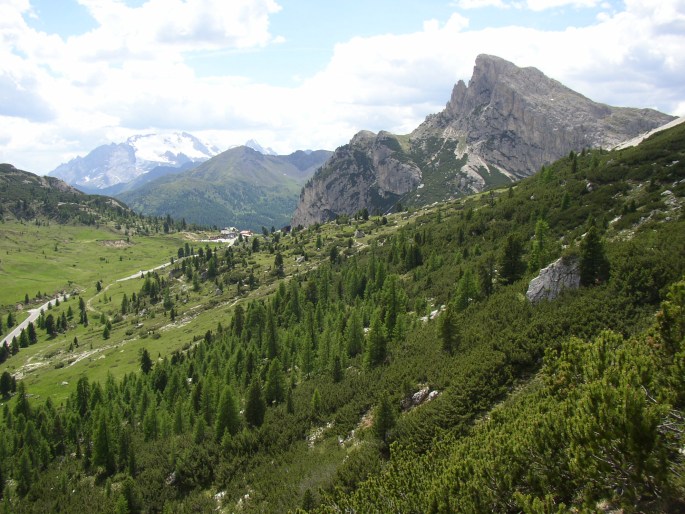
(478,4)
(543,5)
(94,88)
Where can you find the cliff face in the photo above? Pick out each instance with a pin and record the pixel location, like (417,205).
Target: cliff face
(371,171)
(517,119)
(505,125)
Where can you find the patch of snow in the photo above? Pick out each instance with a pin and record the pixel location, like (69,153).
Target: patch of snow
(167,148)
(639,139)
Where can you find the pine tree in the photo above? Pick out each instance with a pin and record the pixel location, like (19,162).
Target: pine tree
(22,405)
(274,390)
(5,384)
(539,248)
(467,291)
(289,404)
(594,265)
(227,417)
(376,348)
(23,339)
(384,419)
(102,451)
(316,405)
(449,330)
(145,361)
(278,265)
(255,407)
(33,336)
(511,265)
(354,334)
(337,372)
(24,473)
(270,335)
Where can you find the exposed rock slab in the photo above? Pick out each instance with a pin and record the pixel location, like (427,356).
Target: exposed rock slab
(562,274)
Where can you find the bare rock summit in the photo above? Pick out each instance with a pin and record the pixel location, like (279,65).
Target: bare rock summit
(504,125)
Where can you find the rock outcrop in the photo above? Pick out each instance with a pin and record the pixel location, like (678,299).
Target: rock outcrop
(371,172)
(504,125)
(562,274)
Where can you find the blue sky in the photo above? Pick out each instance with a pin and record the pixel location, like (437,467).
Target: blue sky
(303,73)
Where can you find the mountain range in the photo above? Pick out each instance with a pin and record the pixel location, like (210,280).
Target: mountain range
(503,126)
(120,163)
(240,187)
(158,174)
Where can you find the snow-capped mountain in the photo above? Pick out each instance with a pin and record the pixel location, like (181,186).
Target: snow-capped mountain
(259,148)
(118,163)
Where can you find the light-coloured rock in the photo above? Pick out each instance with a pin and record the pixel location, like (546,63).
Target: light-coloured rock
(551,281)
(366,173)
(506,124)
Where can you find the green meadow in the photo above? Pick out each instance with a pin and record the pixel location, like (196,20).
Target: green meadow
(53,258)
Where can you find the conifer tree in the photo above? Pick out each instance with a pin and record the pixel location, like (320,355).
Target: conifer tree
(145,361)
(227,417)
(594,265)
(23,339)
(376,347)
(275,383)
(24,473)
(270,335)
(511,265)
(467,290)
(255,407)
(33,336)
(449,330)
(316,404)
(384,419)
(539,248)
(102,451)
(354,334)
(337,372)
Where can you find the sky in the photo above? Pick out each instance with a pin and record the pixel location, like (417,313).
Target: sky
(303,74)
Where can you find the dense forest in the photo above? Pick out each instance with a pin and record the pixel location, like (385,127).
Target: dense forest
(410,375)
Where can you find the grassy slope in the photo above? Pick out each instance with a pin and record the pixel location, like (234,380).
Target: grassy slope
(504,336)
(63,257)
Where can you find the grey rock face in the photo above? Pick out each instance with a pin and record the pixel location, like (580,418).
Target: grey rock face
(505,125)
(554,279)
(369,172)
(518,119)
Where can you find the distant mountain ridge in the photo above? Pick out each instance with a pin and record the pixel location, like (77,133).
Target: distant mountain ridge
(26,196)
(239,187)
(118,163)
(503,126)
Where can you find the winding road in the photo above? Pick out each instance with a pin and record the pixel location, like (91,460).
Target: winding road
(33,316)
(34,313)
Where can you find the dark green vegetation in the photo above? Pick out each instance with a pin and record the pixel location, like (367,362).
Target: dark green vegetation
(239,187)
(25,196)
(300,393)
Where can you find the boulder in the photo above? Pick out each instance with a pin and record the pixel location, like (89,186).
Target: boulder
(551,281)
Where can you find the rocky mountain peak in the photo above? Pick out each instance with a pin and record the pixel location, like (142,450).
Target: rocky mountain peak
(504,125)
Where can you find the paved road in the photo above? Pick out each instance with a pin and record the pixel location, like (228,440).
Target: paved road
(33,316)
(34,313)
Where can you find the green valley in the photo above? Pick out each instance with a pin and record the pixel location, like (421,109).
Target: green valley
(369,364)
